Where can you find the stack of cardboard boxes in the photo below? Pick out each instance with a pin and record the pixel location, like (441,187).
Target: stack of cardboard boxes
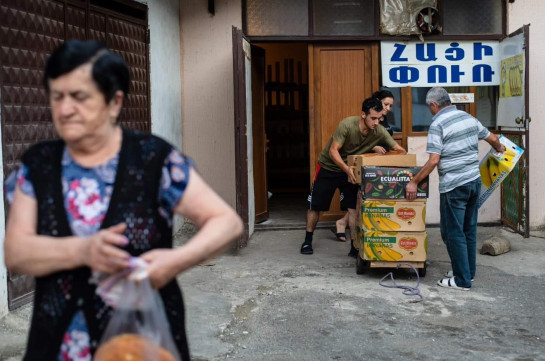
(390,229)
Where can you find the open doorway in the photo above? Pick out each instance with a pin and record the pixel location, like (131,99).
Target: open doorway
(286,116)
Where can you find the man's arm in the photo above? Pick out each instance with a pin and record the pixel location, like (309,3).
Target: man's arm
(411,188)
(336,157)
(399,148)
(390,141)
(494,141)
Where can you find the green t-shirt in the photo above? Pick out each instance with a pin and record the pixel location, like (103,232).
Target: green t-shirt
(352,142)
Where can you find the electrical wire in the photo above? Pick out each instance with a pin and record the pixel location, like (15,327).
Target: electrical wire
(407,290)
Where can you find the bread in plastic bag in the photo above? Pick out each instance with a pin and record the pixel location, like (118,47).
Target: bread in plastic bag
(138,329)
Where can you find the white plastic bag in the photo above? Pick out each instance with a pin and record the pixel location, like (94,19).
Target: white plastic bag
(138,329)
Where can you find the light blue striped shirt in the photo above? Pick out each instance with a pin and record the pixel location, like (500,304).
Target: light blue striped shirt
(454,135)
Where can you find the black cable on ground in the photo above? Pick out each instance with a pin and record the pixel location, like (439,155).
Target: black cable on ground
(407,290)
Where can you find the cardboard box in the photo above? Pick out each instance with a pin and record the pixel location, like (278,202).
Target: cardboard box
(393,216)
(390,182)
(390,160)
(394,246)
(496,166)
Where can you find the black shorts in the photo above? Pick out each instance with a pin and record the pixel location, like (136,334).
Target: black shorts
(324,186)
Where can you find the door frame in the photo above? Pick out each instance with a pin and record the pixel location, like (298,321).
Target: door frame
(241,119)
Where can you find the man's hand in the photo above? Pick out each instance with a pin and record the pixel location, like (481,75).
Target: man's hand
(378,149)
(501,148)
(351,175)
(101,251)
(410,190)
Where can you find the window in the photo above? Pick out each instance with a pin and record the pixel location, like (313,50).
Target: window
(471,17)
(361,18)
(277,17)
(484,108)
(344,17)
(421,115)
(394,117)
(486,98)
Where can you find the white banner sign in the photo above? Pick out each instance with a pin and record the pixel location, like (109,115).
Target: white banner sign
(440,63)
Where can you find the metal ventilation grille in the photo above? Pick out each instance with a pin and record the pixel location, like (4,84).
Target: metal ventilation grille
(130,42)
(29,31)
(466,17)
(512,192)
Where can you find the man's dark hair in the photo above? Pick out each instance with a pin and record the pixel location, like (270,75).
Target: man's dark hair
(371,103)
(109,71)
(381,94)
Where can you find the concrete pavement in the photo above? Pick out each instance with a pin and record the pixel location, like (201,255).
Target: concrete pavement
(268,302)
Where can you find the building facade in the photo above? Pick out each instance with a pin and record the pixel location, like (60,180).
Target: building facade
(304,35)
(215,68)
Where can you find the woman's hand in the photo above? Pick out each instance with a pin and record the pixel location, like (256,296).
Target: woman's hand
(161,266)
(378,149)
(102,251)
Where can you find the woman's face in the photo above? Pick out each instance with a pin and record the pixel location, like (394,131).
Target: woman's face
(78,107)
(387,104)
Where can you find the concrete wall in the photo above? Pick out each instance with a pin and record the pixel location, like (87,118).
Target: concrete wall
(165,73)
(207,83)
(520,13)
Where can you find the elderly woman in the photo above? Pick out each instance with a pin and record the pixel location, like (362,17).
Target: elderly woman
(89,201)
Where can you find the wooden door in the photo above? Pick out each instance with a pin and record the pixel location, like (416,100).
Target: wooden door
(259,135)
(340,78)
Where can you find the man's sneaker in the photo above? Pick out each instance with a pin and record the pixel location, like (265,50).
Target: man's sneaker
(306,248)
(449,283)
(451,274)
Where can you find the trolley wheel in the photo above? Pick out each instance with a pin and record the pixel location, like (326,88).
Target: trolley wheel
(361,265)
(422,271)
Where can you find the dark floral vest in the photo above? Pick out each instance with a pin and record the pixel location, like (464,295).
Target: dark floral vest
(134,201)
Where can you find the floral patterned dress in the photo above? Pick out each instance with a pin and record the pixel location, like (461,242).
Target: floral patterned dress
(87,193)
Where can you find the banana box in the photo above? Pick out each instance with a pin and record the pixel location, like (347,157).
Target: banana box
(390,159)
(496,166)
(393,216)
(394,246)
(390,182)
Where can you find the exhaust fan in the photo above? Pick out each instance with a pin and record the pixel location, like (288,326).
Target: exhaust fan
(409,17)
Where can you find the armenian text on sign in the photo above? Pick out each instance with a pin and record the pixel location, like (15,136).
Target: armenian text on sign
(441,63)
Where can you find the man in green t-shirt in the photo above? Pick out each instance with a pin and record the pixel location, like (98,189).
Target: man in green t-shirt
(354,135)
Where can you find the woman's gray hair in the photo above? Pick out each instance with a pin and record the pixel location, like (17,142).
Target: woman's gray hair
(438,96)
